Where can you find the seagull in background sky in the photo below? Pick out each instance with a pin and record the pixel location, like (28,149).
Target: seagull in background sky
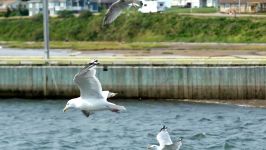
(92,98)
(116,9)
(165,141)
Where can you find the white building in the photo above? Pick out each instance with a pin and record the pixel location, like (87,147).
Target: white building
(152,6)
(195,3)
(54,6)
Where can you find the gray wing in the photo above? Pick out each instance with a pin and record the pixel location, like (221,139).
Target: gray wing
(114,11)
(89,85)
(175,146)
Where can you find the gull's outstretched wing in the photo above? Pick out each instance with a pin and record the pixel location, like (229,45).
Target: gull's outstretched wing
(163,138)
(89,85)
(114,11)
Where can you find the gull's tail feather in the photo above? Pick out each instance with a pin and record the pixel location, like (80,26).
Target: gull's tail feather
(111,94)
(108,94)
(116,108)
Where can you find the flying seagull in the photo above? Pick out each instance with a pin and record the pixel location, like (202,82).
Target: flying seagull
(116,9)
(92,98)
(165,141)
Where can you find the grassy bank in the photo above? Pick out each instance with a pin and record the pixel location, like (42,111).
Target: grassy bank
(164,47)
(136,27)
(83,45)
(133,60)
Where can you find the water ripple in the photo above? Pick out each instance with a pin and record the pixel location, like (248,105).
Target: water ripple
(27,124)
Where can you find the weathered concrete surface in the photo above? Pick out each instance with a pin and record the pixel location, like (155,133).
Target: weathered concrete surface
(171,82)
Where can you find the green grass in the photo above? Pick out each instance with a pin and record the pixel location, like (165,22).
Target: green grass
(145,46)
(87,45)
(70,60)
(137,28)
(191,10)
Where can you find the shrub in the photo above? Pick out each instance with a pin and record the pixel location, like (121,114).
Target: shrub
(85,14)
(2,14)
(20,11)
(38,18)
(65,14)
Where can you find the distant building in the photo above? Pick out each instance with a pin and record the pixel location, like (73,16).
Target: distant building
(151,6)
(54,6)
(246,6)
(97,5)
(195,3)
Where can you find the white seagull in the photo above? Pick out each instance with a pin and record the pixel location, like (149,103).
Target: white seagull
(92,98)
(115,10)
(165,141)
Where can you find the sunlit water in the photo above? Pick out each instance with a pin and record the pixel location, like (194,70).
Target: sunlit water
(41,125)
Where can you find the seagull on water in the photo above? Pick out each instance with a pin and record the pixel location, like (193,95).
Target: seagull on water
(165,141)
(92,98)
(115,10)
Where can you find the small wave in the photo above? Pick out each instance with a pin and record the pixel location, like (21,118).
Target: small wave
(262,120)
(68,147)
(75,130)
(25,144)
(238,119)
(248,124)
(184,130)
(228,146)
(247,140)
(150,135)
(177,116)
(204,119)
(198,136)
(219,117)
(244,105)
(214,147)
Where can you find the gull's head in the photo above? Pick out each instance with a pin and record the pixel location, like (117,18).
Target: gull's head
(153,147)
(70,104)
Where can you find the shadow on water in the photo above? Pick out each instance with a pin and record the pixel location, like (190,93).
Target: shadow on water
(36,124)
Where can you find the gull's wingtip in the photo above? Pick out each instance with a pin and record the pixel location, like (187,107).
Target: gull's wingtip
(94,62)
(163,128)
(125,108)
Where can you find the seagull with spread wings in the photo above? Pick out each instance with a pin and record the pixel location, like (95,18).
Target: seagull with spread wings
(165,141)
(92,98)
(116,9)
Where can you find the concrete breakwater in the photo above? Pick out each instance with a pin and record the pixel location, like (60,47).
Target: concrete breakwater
(136,81)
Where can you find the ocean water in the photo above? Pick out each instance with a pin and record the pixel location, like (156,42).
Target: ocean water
(42,125)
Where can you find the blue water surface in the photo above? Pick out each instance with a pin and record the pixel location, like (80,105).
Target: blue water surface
(42,125)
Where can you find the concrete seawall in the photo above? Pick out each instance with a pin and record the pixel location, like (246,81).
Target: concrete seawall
(171,82)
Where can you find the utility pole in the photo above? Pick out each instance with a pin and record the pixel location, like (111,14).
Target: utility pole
(46,29)
(239,6)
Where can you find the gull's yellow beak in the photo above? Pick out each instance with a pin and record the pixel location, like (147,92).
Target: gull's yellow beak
(65,109)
